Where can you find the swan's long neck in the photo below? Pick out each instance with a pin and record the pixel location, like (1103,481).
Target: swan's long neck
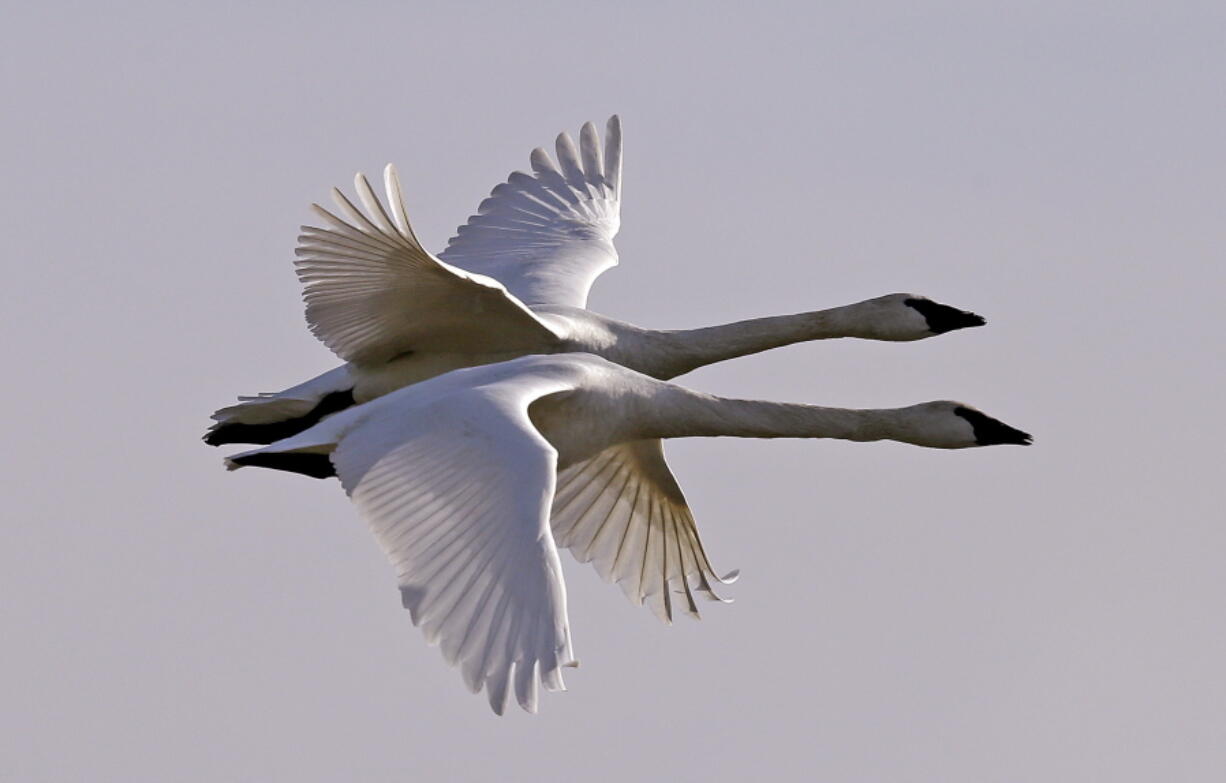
(683,413)
(667,354)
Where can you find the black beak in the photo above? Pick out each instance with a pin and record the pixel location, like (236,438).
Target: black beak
(990,432)
(943,318)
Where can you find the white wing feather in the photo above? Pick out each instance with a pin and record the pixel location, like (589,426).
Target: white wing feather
(458,493)
(623,511)
(373,292)
(464,496)
(456,484)
(547,236)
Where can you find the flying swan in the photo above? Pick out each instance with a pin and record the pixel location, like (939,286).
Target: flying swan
(513,281)
(471,480)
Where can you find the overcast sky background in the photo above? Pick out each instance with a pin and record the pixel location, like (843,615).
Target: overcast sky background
(1056,613)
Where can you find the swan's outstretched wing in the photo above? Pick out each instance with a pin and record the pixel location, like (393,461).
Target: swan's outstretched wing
(373,292)
(456,484)
(458,496)
(623,511)
(548,235)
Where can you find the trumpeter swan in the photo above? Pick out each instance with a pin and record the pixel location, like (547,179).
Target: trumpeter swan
(513,281)
(472,479)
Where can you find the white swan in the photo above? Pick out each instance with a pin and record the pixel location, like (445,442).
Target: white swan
(513,281)
(471,479)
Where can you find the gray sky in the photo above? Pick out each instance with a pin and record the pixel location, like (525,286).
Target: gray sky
(1052,613)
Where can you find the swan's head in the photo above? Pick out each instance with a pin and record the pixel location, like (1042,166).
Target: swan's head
(956,425)
(902,317)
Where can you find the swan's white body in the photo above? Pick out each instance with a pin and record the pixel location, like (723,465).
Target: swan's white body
(471,480)
(513,281)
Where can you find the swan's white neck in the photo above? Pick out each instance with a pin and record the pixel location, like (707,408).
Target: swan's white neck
(701,415)
(680,413)
(666,354)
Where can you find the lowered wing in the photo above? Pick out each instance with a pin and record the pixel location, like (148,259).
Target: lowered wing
(623,511)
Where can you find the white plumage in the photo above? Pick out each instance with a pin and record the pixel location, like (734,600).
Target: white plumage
(468,495)
(373,292)
(514,281)
(616,510)
(469,479)
(547,237)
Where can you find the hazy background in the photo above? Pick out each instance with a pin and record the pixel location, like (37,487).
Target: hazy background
(1046,614)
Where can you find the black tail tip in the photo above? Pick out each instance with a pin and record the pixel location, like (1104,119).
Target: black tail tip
(223,433)
(306,463)
(260,434)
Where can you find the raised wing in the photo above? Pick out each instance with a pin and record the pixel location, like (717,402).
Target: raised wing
(373,292)
(548,235)
(623,511)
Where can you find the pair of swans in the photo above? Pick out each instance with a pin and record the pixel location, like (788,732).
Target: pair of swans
(484,417)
